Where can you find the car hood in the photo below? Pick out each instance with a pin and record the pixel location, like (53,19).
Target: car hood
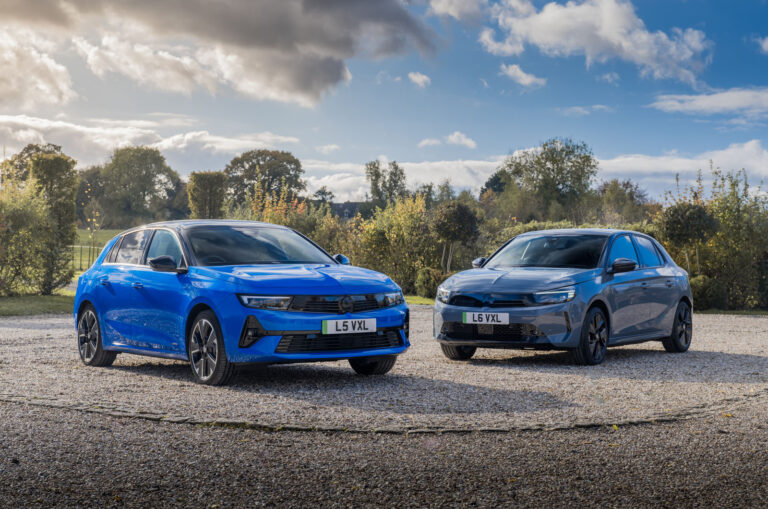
(517,279)
(302,279)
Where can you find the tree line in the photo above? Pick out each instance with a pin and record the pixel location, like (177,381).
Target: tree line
(418,235)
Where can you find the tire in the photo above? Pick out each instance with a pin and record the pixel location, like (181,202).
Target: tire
(682,330)
(89,344)
(594,339)
(206,353)
(373,365)
(458,353)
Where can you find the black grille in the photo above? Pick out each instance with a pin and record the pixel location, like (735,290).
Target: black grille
(511,332)
(492,302)
(305,343)
(329,304)
(465,301)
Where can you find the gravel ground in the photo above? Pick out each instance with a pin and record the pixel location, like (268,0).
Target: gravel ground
(498,389)
(460,433)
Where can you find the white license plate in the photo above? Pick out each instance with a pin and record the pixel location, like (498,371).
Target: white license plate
(349,326)
(485,318)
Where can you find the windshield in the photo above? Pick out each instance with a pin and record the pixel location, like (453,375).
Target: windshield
(252,245)
(574,251)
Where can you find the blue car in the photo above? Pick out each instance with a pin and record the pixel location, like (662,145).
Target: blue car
(581,290)
(223,293)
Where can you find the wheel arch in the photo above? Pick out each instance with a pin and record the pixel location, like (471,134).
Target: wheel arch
(599,303)
(687,300)
(196,310)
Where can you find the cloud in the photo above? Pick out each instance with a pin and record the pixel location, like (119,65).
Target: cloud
(600,30)
(751,103)
(207,142)
(419,79)
(609,77)
(327,149)
(429,142)
(580,111)
(29,76)
(290,51)
(463,10)
(521,77)
(459,138)
(762,42)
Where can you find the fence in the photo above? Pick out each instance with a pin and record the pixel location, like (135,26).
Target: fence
(84,256)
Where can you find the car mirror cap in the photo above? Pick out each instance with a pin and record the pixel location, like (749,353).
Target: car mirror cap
(623,265)
(478,262)
(163,263)
(340,258)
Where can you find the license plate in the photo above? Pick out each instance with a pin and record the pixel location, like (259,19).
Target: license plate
(486,318)
(349,326)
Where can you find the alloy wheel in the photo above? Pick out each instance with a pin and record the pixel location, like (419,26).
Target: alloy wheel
(204,349)
(88,335)
(684,326)
(598,337)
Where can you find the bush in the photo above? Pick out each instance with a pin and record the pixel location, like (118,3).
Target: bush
(427,281)
(708,293)
(21,217)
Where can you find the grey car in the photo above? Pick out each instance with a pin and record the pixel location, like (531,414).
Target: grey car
(581,290)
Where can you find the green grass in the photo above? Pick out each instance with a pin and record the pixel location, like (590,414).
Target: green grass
(59,303)
(100,238)
(83,255)
(415,299)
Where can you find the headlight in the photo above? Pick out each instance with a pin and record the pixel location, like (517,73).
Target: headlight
(392,299)
(554,296)
(443,295)
(265,301)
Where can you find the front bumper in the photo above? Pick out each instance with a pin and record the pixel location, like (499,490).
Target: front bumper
(535,327)
(291,336)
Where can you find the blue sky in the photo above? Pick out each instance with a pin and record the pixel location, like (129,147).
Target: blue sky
(447,87)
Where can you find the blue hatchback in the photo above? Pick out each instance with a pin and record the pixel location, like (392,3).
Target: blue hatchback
(223,293)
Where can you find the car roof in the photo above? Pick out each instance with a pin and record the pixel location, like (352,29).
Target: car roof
(184,224)
(607,232)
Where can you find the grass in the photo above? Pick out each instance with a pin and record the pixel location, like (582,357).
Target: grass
(415,300)
(100,238)
(83,255)
(59,303)
(752,312)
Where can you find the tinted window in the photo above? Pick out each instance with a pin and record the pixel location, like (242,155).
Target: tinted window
(132,247)
(249,245)
(578,251)
(622,248)
(113,252)
(164,243)
(648,254)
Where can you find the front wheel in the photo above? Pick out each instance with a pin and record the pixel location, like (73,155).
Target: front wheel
(682,331)
(594,339)
(372,365)
(458,353)
(205,349)
(89,344)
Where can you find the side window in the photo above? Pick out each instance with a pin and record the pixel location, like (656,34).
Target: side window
(622,248)
(648,254)
(164,243)
(112,256)
(132,247)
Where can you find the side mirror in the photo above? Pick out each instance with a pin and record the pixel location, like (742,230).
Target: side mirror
(341,259)
(478,262)
(623,265)
(163,263)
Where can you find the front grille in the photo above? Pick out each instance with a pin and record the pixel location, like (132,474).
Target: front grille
(469,301)
(329,304)
(512,303)
(306,343)
(511,332)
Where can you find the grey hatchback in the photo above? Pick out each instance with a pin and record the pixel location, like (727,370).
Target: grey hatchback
(581,290)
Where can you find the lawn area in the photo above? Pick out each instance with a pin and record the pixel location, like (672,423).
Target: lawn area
(100,238)
(415,299)
(61,302)
(83,253)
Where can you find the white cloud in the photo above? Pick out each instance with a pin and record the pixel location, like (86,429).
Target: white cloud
(521,77)
(600,30)
(485,83)
(580,111)
(29,76)
(207,142)
(762,42)
(419,79)
(464,10)
(429,142)
(609,77)
(750,102)
(459,138)
(327,149)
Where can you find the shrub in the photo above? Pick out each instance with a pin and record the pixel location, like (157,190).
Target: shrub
(427,281)
(708,293)
(206,190)
(21,217)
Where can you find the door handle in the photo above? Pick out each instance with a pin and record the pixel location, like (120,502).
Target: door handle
(670,283)
(644,285)
(138,285)
(104,281)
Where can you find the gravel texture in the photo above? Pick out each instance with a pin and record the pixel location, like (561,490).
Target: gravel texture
(497,390)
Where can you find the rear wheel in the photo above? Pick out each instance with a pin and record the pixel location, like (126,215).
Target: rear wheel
(89,345)
(594,339)
(205,349)
(682,331)
(458,353)
(372,365)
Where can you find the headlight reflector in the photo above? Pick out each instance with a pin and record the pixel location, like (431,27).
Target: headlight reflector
(443,295)
(554,296)
(265,301)
(392,299)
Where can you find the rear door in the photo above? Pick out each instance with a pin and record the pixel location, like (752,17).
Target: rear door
(625,292)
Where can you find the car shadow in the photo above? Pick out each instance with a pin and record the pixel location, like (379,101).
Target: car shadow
(329,385)
(631,362)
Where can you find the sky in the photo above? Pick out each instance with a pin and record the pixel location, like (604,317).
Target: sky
(448,88)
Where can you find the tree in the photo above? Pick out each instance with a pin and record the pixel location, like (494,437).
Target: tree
(454,222)
(323,195)
(17,167)
(272,169)
(387,185)
(622,201)
(55,181)
(139,185)
(207,190)
(496,182)
(686,223)
(90,193)
(445,192)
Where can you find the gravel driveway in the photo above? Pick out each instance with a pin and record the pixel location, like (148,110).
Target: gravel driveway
(498,390)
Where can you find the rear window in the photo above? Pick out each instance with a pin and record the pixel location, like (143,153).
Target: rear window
(648,254)
(132,247)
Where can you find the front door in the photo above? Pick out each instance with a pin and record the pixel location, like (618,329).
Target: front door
(626,293)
